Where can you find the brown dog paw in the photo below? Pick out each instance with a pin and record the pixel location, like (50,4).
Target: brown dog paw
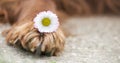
(31,40)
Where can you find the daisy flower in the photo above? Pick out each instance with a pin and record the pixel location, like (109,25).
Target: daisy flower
(46,21)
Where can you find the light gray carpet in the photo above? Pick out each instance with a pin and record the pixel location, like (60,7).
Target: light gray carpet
(92,40)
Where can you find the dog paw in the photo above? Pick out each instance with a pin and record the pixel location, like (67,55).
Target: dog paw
(26,36)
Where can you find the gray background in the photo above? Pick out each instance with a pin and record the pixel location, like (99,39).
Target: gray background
(91,40)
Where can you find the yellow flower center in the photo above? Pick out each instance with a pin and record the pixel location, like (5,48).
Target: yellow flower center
(46,22)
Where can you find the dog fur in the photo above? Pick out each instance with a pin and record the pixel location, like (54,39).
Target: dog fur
(20,14)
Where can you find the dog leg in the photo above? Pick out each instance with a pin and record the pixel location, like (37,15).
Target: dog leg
(23,33)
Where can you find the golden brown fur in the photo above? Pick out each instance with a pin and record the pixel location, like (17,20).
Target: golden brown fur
(85,7)
(20,14)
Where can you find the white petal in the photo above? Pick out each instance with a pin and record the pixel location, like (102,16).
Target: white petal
(53,18)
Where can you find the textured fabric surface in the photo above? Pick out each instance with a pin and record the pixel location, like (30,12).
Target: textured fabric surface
(92,40)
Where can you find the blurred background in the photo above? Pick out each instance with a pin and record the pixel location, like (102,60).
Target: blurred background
(93,27)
